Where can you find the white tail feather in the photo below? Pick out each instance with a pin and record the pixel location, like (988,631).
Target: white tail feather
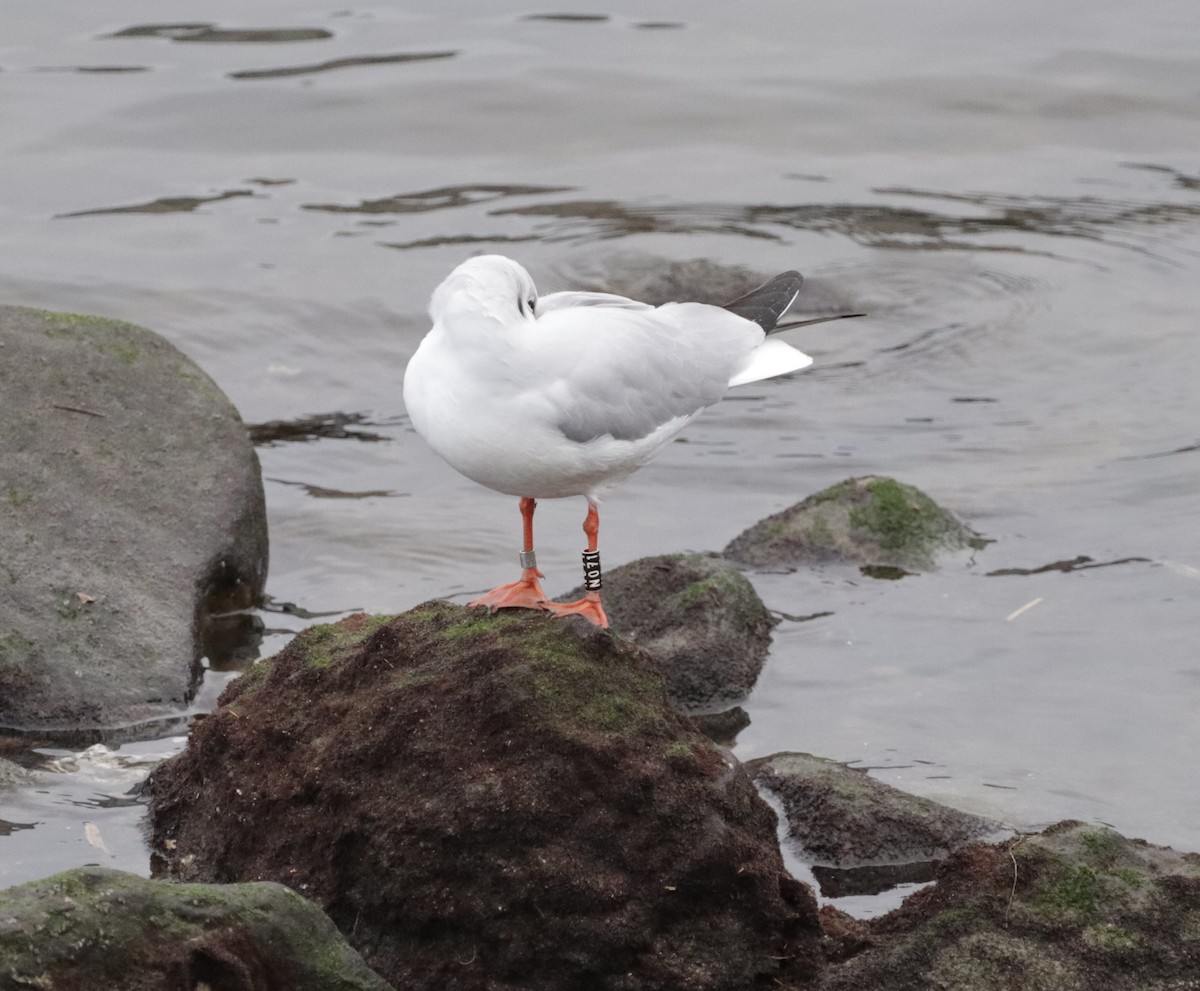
(770,358)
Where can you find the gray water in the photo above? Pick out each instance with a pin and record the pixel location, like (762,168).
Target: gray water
(1012,191)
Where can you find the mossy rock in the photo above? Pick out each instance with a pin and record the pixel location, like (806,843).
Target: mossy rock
(698,617)
(1074,908)
(872,521)
(99,928)
(487,801)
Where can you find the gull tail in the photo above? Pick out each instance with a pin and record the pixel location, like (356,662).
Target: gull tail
(772,357)
(766,304)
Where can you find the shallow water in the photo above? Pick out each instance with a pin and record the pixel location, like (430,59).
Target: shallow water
(1012,192)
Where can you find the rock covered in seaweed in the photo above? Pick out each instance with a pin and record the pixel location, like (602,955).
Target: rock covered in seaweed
(98,928)
(873,521)
(490,801)
(1073,908)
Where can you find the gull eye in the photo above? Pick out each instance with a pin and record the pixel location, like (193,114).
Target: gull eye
(532,304)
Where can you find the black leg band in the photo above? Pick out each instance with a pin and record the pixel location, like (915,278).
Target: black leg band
(591,571)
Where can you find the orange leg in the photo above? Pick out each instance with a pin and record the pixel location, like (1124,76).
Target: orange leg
(526,592)
(589,607)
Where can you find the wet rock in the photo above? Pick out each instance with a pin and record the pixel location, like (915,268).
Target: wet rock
(873,521)
(99,928)
(1072,909)
(842,816)
(131,504)
(722,727)
(698,617)
(489,801)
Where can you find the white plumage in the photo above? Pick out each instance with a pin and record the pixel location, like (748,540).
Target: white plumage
(570,393)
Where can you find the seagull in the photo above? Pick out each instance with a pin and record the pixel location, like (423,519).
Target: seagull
(567,394)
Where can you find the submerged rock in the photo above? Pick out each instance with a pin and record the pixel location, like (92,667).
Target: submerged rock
(872,521)
(698,617)
(1074,908)
(99,928)
(489,801)
(131,504)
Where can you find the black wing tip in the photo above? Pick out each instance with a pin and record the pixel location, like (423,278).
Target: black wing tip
(766,304)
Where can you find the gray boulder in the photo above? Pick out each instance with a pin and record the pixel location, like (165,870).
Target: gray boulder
(131,506)
(99,928)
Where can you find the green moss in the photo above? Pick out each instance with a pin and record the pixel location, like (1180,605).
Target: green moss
(1102,847)
(69,323)
(1106,936)
(897,516)
(253,677)
(835,493)
(17,498)
(569,689)
(14,647)
(1077,892)
(1189,932)
(1129,876)
(818,532)
(324,643)
(67,603)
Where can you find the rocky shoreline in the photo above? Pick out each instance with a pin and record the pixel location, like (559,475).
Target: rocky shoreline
(450,799)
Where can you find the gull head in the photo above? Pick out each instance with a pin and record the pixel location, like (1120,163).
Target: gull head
(487,285)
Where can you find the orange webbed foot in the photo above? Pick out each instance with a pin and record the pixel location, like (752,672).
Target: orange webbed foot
(589,607)
(525,593)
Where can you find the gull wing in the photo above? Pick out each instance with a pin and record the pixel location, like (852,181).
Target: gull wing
(627,372)
(568,300)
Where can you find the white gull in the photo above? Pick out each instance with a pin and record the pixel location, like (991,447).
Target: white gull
(567,394)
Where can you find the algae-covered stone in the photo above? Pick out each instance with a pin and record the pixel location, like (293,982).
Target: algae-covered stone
(842,816)
(130,503)
(99,928)
(1074,908)
(869,521)
(698,617)
(490,801)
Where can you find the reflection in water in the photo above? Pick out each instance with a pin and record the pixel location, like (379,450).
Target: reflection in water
(439,242)
(1180,179)
(321,492)
(98,69)
(1086,217)
(444,197)
(565,17)
(169,204)
(871,225)
(207,31)
(306,428)
(338,63)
